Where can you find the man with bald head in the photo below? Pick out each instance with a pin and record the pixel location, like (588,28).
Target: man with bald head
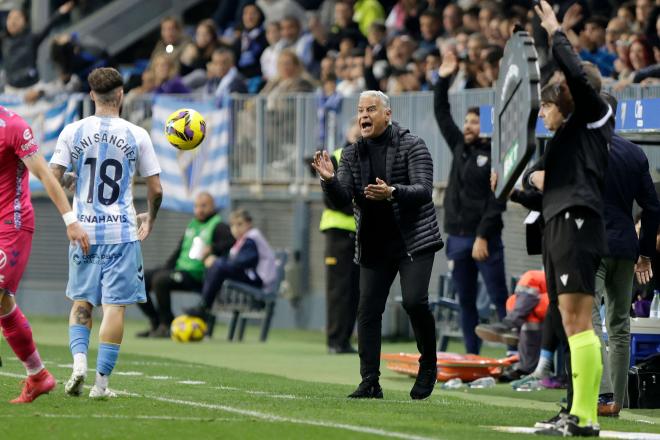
(205,236)
(388,176)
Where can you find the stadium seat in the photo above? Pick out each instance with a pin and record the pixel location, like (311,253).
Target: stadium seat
(241,302)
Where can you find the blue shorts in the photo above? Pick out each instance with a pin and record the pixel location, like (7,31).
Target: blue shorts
(109,274)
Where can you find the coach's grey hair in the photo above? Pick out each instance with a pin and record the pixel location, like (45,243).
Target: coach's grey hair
(377,94)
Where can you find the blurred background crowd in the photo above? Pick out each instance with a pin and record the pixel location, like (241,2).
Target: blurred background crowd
(334,47)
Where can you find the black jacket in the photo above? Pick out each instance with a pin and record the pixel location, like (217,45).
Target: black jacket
(409,169)
(628,179)
(575,159)
(470,206)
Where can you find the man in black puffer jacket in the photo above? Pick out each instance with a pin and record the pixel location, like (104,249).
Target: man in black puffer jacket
(388,174)
(473,217)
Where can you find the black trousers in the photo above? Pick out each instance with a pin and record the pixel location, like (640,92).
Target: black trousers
(375,282)
(342,286)
(163,282)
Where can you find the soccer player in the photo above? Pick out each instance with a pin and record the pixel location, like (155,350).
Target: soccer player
(105,152)
(571,174)
(19,152)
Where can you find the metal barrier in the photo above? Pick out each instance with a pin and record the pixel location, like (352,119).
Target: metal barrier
(274,135)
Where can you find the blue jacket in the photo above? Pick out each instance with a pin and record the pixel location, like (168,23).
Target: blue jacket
(628,179)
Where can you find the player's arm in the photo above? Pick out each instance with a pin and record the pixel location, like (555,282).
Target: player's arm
(588,103)
(39,168)
(154,198)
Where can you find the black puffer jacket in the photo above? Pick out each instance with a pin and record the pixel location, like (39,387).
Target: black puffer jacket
(410,171)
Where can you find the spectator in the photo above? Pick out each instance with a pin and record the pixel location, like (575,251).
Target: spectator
(366,13)
(643,9)
(166,75)
(220,78)
(616,28)
(329,101)
(172,39)
(376,38)
(294,39)
(198,53)
(471,19)
(272,52)
(344,26)
(473,218)
(431,66)
(640,57)
(452,19)
(20,45)
(491,66)
(430,25)
(71,55)
(354,82)
(327,67)
(404,17)
(291,77)
(251,261)
(251,44)
(205,236)
(228,13)
(278,10)
(626,12)
(594,47)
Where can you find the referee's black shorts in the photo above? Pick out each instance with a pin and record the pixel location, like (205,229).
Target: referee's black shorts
(574,241)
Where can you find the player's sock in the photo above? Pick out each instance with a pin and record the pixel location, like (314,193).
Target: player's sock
(587,367)
(105,363)
(79,344)
(17,331)
(545,364)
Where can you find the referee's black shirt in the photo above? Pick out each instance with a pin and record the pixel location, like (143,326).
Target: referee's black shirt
(575,159)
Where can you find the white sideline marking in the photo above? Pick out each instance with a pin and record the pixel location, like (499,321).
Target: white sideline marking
(127,373)
(138,417)
(603,434)
(268,417)
(191,382)
(159,377)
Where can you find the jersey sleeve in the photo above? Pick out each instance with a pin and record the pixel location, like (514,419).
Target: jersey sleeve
(147,161)
(21,138)
(62,154)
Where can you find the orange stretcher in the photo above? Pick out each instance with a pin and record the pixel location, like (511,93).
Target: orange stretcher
(467,367)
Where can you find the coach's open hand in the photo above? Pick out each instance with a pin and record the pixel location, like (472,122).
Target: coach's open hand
(77,234)
(380,191)
(547,16)
(323,165)
(643,270)
(449,65)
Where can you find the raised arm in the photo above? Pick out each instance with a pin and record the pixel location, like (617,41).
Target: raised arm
(589,106)
(448,127)
(339,186)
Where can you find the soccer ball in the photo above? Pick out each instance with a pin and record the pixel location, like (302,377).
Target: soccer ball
(188,329)
(185,129)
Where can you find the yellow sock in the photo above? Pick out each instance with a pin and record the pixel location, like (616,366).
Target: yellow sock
(587,366)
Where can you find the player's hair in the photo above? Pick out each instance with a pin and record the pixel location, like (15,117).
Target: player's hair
(474,110)
(377,94)
(241,213)
(104,82)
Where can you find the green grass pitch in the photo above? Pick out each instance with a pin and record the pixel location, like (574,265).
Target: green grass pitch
(287,388)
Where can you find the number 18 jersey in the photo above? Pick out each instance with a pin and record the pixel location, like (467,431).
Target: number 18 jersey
(106,153)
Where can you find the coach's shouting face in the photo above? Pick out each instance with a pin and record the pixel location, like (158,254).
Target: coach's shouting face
(373,116)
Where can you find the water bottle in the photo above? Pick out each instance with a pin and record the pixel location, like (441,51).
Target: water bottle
(484,382)
(655,305)
(452,384)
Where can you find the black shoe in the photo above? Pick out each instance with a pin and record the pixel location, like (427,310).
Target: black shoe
(511,375)
(545,424)
(497,332)
(426,378)
(162,331)
(144,333)
(368,389)
(567,426)
(341,349)
(198,311)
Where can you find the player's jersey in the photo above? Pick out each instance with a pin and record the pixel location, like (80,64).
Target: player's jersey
(16,142)
(105,153)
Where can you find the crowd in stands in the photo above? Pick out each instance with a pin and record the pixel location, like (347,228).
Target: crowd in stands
(284,46)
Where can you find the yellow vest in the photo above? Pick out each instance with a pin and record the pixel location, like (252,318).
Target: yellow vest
(331,219)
